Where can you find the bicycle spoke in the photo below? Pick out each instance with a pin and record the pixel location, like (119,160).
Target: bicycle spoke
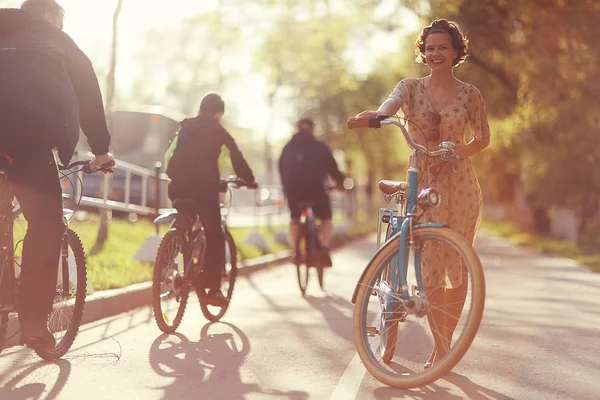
(399,334)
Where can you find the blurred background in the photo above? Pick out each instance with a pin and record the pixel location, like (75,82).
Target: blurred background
(275,61)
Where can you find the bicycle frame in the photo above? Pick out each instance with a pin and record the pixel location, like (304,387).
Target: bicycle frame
(11,212)
(403,223)
(192,226)
(307,218)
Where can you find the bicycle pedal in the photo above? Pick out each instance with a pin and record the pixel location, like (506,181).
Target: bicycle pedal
(372,331)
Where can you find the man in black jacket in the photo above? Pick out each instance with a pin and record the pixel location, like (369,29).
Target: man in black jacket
(194,173)
(48,88)
(304,166)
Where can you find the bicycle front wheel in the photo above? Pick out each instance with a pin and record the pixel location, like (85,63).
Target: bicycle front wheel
(229,275)
(169,291)
(408,343)
(69,301)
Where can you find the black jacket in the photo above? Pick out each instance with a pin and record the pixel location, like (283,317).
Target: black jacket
(194,166)
(48,88)
(306,162)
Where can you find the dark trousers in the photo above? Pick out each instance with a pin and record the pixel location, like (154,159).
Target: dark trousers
(36,185)
(209,213)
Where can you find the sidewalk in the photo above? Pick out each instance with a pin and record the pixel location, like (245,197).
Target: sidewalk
(107,303)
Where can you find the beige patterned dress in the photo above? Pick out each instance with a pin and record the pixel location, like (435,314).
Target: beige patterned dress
(460,192)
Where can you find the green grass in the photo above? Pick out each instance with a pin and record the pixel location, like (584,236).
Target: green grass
(546,245)
(113,266)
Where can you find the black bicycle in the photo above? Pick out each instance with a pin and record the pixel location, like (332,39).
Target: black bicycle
(71,284)
(179,265)
(307,243)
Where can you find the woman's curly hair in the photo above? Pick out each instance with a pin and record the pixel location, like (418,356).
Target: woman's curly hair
(459,40)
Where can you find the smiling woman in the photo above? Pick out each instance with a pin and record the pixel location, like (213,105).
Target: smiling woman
(438,108)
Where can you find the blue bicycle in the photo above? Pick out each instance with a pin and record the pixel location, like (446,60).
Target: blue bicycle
(406,309)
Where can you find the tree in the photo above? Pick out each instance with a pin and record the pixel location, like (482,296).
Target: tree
(306,51)
(536,63)
(110,93)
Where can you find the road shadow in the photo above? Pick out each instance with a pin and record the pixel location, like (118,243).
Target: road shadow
(470,390)
(26,384)
(111,327)
(337,311)
(209,367)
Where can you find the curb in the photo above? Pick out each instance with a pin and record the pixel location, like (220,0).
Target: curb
(108,303)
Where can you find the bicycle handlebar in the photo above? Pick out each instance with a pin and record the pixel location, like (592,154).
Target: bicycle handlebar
(108,167)
(347,184)
(237,183)
(446,149)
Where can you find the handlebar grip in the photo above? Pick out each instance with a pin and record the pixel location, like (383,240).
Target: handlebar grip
(106,167)
(358,123)
(366,122)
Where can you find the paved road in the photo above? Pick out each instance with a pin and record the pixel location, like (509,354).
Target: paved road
(250,216)
(540,339)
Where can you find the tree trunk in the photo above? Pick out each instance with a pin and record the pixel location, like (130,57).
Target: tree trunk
(110,93)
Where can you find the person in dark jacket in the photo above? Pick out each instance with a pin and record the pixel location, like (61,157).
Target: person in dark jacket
(48,88)
(194,173)
(304,165)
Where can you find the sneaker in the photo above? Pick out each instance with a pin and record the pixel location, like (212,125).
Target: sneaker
(216,298)
(35,334)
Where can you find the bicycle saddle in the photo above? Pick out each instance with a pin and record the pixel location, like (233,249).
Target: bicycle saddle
(304,204)
(391,187)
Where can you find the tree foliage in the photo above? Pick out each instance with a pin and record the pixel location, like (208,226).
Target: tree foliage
(535,62)
(538,68)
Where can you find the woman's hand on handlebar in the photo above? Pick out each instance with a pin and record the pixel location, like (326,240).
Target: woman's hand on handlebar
(367,119)
(366,115)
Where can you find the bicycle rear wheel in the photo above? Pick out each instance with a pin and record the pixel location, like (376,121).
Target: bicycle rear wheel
(302,257)
(169,291)
(71,286)
(215,313)
(445,319)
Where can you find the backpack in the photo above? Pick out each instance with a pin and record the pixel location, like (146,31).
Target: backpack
(299,164)
(38,104)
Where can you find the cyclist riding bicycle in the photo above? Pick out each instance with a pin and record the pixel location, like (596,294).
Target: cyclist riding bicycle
(304,166)
(194,172)
(47,88)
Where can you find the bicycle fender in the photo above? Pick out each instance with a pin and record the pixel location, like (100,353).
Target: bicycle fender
(419,226)
(166,218)
(431,225)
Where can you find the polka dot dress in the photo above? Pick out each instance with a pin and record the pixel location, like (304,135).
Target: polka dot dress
(458,186)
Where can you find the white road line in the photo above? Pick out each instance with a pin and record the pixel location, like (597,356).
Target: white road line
(349,384)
